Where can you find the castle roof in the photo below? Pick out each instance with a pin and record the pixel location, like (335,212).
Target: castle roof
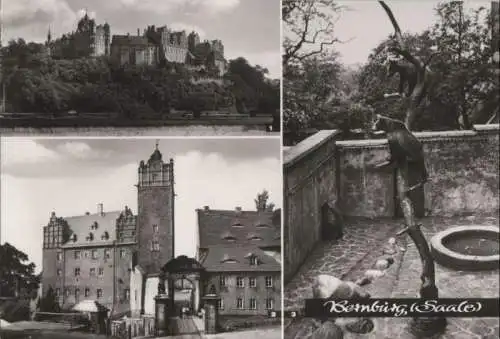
(239,259)
(130,40)
(223,227)
(92,229)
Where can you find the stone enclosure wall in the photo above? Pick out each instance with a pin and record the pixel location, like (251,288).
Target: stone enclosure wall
(462,166)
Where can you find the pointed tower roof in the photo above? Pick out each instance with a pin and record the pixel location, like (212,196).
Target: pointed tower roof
(156,155)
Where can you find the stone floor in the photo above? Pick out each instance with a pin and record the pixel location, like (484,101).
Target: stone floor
(362,245)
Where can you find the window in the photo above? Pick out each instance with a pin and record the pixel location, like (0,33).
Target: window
(77,272)
(252,282)
(92,272)
(221,304)
(68,292)
(59,272)
(77,294)
(77,254)
(99,293)
(94,254)
(59,256)
(239,282)
(135,295)
(254,261)
(107,254)
(123,253)
(87,292)
(127,294)
(222,281)
(239,303)
(58,292)
(269,304)
(101,271)
(155,246)
(269,281)
(253,303)
(155,228)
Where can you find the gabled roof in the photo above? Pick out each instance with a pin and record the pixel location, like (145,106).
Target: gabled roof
(222,227)
(84,225)
(238,259)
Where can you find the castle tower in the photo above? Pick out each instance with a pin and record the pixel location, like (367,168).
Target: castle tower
(193,41)
(155,215)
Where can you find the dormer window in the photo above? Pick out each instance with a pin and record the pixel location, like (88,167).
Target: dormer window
(228,237)
(105,236)
(228,260)
(237,223)
(254,237)
(73,237)
(254,260)
(90,237)
(94,225)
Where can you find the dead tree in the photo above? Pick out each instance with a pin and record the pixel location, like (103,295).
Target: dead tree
(422,72)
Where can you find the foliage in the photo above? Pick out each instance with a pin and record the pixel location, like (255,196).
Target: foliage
(463,78)
(308,28)
(36,83)
(261,202)
(15,272)
(319,92)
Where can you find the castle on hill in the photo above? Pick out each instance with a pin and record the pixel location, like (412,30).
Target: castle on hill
(153,46)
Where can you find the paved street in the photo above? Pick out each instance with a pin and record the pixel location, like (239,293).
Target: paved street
(185,328)
(362,245)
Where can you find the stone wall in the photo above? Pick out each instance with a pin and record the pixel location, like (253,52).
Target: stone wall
(462,166)
(309,181)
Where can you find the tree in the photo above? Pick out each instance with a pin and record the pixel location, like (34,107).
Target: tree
(16,275)
(308,28)
(463,38)
(261,202)
(49,302)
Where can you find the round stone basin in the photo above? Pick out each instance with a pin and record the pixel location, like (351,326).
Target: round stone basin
(469,248)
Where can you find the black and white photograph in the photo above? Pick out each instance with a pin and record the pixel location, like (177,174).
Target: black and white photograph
(390,163)
(140,238)
(149,68)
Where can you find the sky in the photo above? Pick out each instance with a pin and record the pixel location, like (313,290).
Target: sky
(247,28)
(364,24)
(71,176)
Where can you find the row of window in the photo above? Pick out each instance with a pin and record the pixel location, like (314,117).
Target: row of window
(77,272)
(252,281)
(87,293)
(252,304)
(94,254)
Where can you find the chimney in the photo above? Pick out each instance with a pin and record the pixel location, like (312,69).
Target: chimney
(238,209)
(138,32)
(87,213)
(206,208)
(100,209)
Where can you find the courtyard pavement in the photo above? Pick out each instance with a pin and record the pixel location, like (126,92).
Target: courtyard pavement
(363,244)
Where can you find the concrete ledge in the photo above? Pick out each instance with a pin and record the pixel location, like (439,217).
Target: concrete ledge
(446,257)
(294,154)
(490,127)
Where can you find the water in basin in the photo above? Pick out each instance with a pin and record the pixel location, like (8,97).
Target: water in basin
(484,244)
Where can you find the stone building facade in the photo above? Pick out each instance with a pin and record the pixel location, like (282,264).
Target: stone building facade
(116,257)
(90,256)
(241,253)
